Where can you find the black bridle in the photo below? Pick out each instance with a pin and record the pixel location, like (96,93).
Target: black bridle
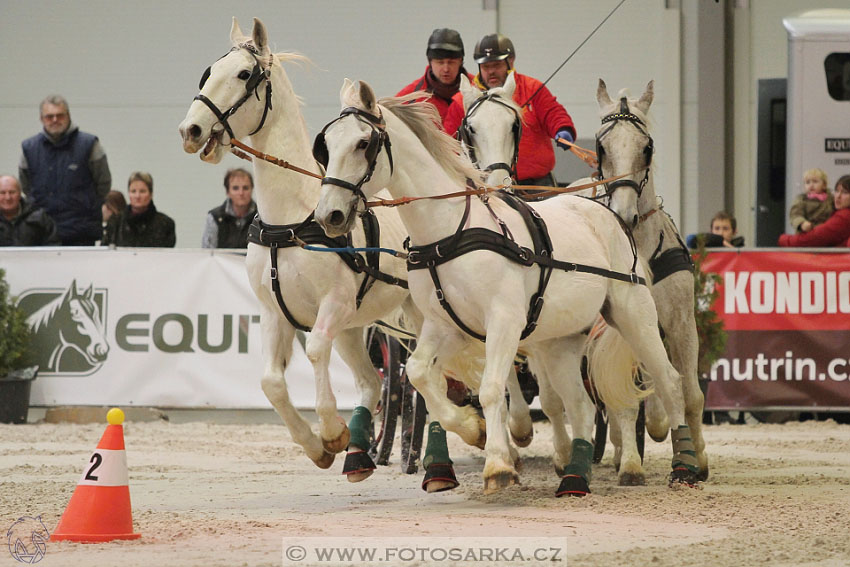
(614,118)
(252,86)
(377,139)
(466,133)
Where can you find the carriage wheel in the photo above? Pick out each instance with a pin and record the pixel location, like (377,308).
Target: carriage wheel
(413,414)
(385,353)
(600,434)
(640,429)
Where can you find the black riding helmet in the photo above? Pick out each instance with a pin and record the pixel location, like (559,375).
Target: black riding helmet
(444,43)
(493,47)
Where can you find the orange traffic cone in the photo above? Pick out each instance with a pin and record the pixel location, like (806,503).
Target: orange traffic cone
(99,509)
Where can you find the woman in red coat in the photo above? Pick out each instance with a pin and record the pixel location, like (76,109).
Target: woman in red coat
(835,231)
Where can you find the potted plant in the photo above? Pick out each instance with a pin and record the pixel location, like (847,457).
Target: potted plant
(15,377)
(712,335)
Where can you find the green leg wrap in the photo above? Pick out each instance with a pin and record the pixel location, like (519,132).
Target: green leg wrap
(360,427)
(437,451)
(684,453)
(580,460)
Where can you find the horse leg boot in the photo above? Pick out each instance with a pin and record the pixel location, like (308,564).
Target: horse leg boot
(351,348)
(439,473)
(626,457)
(277,336)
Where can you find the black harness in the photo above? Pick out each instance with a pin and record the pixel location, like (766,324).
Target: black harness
(466,133)
(309,232)
(252,86)
(672,260)
(464,241)
(624,114)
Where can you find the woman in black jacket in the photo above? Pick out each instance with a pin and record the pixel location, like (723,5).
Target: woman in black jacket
(140,224)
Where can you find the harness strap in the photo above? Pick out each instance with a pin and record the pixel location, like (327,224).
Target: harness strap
(309,232)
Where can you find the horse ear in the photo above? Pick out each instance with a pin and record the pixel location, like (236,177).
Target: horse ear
(509,86)
(71,292)
(236,34)
(261,38)
(646,98)
(469,92)
(89,292)
(602,95)
(367,97)
(345,93)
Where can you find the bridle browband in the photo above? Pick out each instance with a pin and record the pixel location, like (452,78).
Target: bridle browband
(614,118)
(252,86)
(377,139)
(466,133)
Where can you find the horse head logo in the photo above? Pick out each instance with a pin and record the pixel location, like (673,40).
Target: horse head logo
(68,329)
(27,539)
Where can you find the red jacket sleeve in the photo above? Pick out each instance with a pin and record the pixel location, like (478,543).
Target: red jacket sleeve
(834,232)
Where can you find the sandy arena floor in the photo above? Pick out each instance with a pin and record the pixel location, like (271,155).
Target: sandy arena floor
(224,495)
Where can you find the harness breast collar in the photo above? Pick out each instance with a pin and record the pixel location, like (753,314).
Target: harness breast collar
(309,232)
(468,240)
(252,86)
(466,133)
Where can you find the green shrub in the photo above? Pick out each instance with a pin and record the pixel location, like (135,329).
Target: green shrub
(15,334)
(712,335)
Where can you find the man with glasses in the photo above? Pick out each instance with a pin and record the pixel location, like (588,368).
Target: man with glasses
(65,171)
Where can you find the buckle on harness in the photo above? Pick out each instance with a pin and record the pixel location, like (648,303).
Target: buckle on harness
(411,257)
(439,294)
(437,251)
(290,232)
(635,279)
(273,273)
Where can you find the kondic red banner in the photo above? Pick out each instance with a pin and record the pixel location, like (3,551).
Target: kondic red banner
(787,315)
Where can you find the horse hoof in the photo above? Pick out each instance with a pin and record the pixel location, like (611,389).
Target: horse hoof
(524,441)
(658,436)
(439,477)
(702,475)
(573,485)
(339,444)
(632,479)
(325,461)
(499,481)
(358,466)
(682,477)
(560,471)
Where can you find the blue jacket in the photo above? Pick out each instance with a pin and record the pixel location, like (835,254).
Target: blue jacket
(59,179)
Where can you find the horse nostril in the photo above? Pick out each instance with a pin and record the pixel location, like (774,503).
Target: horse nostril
(336,218)
(195,131)
(634,221)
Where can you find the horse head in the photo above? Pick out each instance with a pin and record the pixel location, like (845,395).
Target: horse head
(625,147)
(84,332)
(235,96)
(350,147)
(491,129)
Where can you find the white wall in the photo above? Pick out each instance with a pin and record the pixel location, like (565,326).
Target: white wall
(130,69)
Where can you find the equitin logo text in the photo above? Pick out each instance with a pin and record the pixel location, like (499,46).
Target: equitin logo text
(68,329)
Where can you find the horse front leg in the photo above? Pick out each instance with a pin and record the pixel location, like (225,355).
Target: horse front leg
(277,337)
(553,407)
(519,423)
(502,341)
(350,343)
(436,344)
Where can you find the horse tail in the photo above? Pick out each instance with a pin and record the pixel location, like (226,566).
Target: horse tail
(613,369)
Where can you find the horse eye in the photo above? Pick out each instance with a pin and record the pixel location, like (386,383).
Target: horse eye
(244,75)
(362,144)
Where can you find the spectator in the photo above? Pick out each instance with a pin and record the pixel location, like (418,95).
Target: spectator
(112,206)
(724,229)
(442,77)
(140,224)
(21,224)
(64,170)
(227,225)
(814,205)
(544,118)
(835,231)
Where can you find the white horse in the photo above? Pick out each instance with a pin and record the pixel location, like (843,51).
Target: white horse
(624,145)
(318,289)
(250,98)
(542,298)
(490,128)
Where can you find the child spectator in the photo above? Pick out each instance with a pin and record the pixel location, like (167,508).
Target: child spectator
(724,230)
(814,205)
(835,231)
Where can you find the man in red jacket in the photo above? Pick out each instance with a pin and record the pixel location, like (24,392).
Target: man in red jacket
(544,118)
(442,75)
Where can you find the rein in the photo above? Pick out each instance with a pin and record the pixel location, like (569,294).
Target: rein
(266,157)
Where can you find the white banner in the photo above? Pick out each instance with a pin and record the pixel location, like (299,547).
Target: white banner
(150,327)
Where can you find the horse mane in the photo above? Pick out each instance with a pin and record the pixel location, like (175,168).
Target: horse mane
(422,118)
(45,314)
